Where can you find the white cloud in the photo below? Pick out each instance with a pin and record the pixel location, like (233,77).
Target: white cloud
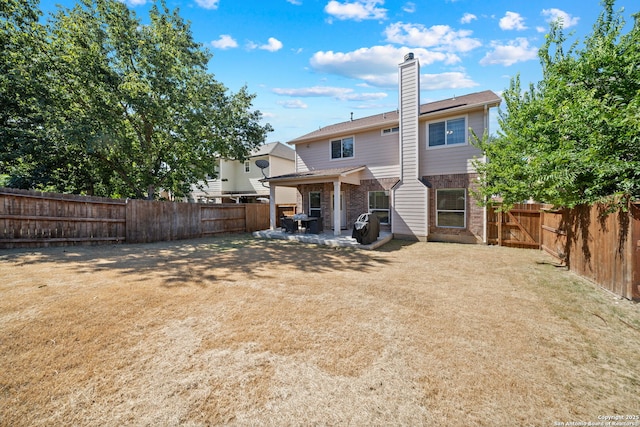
(293,104)
(557,14)
(467,18)
(512,21)
(272,45)
(357,10)
(224,42)
(541,29)
(208,4)
(517,50)
(369,96)
(452,80)
(340,93)
(438,36)
(296,2)
(314,91)
(409,7)
(377,65)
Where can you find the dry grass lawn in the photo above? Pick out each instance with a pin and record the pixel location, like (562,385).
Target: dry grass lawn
(233,330)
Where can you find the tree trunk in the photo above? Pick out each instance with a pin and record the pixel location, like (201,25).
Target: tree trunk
(151,190)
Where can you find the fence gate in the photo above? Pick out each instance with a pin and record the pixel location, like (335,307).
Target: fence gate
(517,228)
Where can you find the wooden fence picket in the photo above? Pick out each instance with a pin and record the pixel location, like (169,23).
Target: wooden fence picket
(36,219)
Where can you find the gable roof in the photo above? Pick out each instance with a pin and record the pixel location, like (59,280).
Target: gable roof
(391,118)
(276,149)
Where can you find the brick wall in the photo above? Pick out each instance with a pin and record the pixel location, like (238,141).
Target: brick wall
(356,198)
(473,233)
(357,203)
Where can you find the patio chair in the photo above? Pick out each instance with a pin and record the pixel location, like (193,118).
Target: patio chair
(289,224)
(314,226)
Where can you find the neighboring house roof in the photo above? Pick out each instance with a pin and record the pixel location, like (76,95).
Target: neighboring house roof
(391,118)
(314,175)
(275,149)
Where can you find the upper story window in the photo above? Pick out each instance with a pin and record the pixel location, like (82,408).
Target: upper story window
(342,148)
(389,131)
(448,132)
(247,166)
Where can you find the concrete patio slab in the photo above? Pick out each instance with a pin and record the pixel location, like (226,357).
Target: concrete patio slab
(328,239)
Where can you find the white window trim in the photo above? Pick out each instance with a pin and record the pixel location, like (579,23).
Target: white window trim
(380,210)
(247,166)
(466,132)
(390,131)
(309,202)
(342,139)
(447,210)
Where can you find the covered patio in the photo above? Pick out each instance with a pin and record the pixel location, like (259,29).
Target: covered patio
(336,177)
(333,226)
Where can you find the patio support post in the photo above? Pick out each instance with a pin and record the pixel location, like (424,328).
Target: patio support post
(272,206)
(337,227)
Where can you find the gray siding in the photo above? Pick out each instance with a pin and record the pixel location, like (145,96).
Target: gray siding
(409,107)
(410,210)
(280,166)
(410,196)
(454,159)
(379,153)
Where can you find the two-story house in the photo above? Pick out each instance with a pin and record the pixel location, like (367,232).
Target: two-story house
(239,181)
(411,167)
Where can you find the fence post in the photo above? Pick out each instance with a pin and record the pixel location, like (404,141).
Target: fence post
(541,229)
(500,227)
(634,214)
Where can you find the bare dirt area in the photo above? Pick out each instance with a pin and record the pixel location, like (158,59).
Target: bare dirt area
(234,330)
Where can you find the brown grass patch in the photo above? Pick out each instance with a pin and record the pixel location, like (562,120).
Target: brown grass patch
(233,330)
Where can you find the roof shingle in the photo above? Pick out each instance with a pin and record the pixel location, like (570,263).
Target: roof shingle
(390,118)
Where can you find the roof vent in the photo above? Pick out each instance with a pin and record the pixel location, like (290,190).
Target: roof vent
(408,56)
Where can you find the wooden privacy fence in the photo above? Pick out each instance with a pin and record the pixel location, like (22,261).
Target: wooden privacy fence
(603,248)
(33,219)
(518,228)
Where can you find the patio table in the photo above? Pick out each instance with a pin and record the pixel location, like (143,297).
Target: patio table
(310,224)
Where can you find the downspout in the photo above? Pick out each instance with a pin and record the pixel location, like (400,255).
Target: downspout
(428,215)
(392,198)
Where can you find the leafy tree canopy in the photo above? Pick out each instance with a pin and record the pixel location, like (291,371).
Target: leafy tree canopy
(109,105)
(573,138)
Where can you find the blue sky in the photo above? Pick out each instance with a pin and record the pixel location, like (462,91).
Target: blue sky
(314,62)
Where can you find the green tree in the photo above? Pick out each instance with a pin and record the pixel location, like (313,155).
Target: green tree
(574,137)
(23,96)
(131,107)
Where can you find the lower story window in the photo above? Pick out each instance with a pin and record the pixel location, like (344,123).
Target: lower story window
(314,204)
(379,205)
(451,208)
